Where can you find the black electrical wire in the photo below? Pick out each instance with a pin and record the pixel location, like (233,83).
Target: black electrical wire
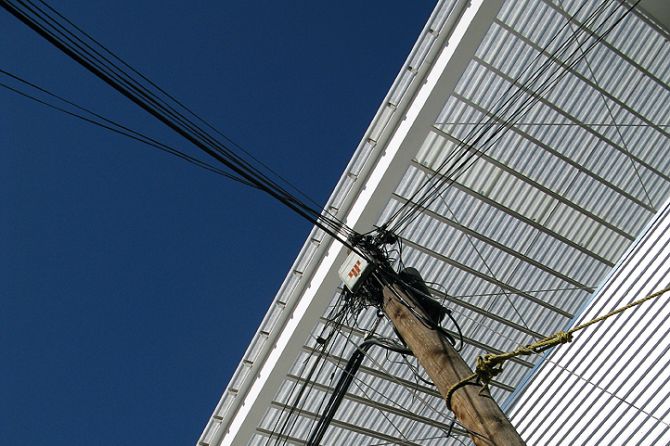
(112,126)
(350,312)
(146,102)
(477,133)
(80,47)
(170,109)
(356,381)
(333,324)
(343,384)
(182,105)
(360,383)
(306,389)
(172,119)
(104,64)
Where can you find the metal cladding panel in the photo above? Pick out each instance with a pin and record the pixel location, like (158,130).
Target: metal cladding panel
(610,385)
(542,191)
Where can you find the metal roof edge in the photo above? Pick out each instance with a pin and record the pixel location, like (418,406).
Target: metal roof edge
(432,39)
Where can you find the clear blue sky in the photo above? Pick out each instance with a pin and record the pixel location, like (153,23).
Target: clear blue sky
(131,281)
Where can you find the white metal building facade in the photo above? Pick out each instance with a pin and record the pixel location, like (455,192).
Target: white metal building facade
(516,246)
(610,385)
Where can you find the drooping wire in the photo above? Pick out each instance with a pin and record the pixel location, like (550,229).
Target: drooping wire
(180,104)
(111,125)
(67,41)
(442,180)
(476,134)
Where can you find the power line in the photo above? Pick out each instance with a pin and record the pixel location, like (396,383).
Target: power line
(58,34)
(471,141)
(478,141)
(178,102)
(111,125)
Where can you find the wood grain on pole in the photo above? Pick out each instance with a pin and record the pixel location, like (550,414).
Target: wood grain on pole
(473,406)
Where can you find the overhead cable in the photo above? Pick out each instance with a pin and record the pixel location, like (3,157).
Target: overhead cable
(69,39)
(471,142)
(481,138)
(96,119)
(114,56)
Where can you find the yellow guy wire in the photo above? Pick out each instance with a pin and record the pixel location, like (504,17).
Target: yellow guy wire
(490,365)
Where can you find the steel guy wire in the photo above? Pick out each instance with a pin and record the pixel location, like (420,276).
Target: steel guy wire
(567,181)
(499,132)
(473,132)
(611,115)
(441,178)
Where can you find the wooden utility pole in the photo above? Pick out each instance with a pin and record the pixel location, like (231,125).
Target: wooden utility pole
(473,406)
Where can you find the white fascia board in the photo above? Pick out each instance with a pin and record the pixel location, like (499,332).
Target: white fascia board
(401,145)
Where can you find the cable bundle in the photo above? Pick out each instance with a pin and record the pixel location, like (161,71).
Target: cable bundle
(102,62)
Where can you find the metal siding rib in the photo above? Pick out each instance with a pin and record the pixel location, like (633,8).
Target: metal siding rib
(499,246)
(611,382)
(523,218)
(532,187)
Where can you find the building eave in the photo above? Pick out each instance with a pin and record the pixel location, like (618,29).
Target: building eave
(449,37)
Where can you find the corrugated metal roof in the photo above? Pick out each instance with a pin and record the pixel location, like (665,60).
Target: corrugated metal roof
(609,386)
(517,243)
